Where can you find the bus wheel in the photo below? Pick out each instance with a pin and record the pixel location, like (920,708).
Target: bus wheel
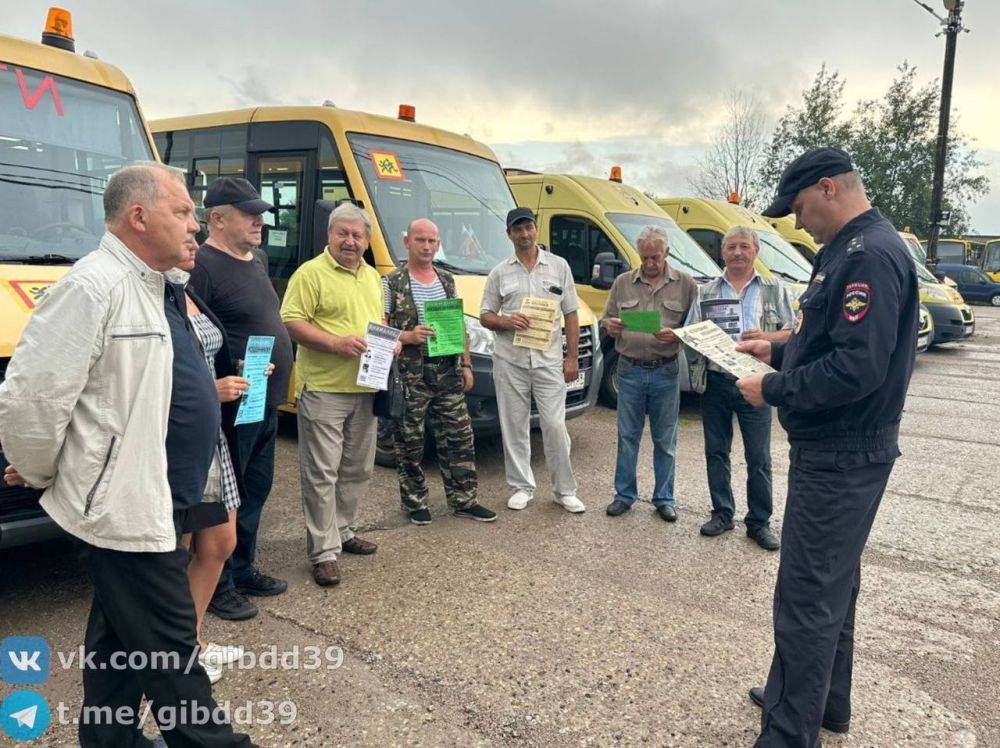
(609,385)
(385,452)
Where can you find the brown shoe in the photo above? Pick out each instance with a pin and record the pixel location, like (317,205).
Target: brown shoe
(326,573)
(358,546)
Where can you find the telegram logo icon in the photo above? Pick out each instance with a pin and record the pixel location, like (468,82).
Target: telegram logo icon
(24,715)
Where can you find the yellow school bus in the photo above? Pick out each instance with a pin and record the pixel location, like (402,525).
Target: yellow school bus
(799,238)
(587,219)
(304,160)
(707,221)
(67,122)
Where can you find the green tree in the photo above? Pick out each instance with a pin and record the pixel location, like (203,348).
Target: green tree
(817,122)
(892,142)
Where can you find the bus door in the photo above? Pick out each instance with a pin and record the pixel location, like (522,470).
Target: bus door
(286,179)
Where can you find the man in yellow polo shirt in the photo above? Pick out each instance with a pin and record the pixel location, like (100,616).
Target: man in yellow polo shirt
(327,307)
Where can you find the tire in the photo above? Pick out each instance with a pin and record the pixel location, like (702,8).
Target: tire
(995,299)
(385,452)
(608,394)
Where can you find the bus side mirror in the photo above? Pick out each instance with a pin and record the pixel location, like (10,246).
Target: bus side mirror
(321,217)
(607,267)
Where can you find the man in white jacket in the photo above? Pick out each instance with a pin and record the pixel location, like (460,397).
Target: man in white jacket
(84,413)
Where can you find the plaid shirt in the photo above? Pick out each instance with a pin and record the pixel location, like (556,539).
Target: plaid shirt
(211,341)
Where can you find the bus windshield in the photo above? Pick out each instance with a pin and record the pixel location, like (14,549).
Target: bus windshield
(60,141)
(782,259)
(685,253)
(916,250)
(991,258)
(465,195)
(926,275)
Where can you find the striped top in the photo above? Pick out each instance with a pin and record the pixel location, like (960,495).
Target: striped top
(421,292)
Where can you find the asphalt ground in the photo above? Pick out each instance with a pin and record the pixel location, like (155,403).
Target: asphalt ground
(552,629)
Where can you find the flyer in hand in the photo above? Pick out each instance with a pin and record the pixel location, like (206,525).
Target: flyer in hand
(712,342)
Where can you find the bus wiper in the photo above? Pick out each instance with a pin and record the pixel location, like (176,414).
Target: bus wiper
(455,269)
(47,259)
(786,276)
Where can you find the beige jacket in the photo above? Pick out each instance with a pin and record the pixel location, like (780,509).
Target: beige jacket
(84,407)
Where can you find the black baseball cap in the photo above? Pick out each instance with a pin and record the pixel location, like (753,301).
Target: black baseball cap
(237,192)
(519,214)
(805,171)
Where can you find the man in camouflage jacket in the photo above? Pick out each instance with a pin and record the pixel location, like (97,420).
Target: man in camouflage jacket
(434,387)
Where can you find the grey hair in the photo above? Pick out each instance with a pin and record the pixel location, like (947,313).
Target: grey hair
(350,212)
(222,210)
(654,234)
(850,180)
(135,183)
(744,232)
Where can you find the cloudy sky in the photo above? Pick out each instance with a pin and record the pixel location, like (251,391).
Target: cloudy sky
(562,87)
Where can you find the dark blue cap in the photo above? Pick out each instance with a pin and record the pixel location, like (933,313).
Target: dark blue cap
(519,214)
(805,171)
(237,192)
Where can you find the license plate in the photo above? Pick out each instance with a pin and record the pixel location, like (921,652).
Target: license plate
(579,383)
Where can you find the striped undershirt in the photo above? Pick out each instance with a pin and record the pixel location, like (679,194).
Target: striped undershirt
(421,293)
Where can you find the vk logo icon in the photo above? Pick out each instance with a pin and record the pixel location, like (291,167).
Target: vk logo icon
(25,660)
(24,715)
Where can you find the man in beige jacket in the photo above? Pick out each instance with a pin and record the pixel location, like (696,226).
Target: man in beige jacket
(90,413)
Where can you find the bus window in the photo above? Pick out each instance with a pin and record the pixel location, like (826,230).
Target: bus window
(991,258)
(710,241)
(57,160)
(465,195)
(281,185)
(578,241)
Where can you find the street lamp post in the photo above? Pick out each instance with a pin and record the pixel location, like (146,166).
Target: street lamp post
(952,26)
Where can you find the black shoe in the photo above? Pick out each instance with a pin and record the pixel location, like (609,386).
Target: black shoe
(617,508)
(765,538)
(261,585)
(232,606)
(757,697)
(476,512)
(420,517)
(667,513)
(716,526)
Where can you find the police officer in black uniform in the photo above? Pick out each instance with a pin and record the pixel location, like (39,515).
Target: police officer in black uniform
(839,387)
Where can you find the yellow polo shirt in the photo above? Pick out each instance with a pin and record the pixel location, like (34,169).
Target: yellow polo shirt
(338,301)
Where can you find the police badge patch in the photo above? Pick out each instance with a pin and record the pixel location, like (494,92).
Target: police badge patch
(857,301)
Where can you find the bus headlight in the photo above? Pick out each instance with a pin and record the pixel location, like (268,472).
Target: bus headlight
(481,340)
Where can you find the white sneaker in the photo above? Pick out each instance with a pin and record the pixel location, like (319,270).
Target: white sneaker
(220,656)
(570,504)
(519,500)
(214,672)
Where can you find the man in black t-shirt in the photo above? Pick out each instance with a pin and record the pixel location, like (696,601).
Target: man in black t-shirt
(231,279)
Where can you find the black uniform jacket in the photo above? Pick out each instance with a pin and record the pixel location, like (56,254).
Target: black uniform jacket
(843,374)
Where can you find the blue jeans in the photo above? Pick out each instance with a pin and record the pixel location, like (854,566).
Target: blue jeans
(720,402)
(655,392)
(256,446)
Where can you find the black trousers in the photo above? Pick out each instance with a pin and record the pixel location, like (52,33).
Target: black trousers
(832,501)
(142,605)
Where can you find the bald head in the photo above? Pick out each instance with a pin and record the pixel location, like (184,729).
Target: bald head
(422,243)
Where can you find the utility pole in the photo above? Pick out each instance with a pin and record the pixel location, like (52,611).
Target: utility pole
(952,26)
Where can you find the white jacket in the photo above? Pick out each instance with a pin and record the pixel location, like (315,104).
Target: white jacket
(84,408)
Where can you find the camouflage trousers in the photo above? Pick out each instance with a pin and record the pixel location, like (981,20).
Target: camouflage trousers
(436,398)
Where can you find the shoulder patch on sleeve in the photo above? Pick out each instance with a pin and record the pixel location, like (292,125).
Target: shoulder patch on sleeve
(856,244)
(857,301)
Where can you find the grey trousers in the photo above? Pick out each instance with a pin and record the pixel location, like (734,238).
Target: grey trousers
(336,457)
(515,386)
